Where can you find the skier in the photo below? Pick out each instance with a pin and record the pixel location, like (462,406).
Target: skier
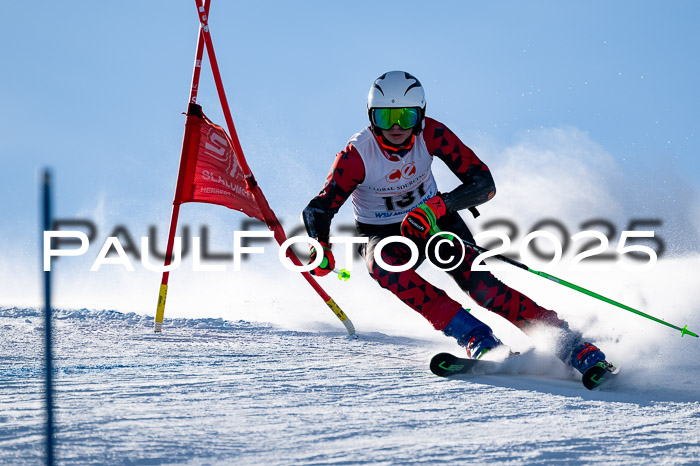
(386,168)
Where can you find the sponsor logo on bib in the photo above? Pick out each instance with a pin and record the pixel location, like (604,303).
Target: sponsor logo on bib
(407,171)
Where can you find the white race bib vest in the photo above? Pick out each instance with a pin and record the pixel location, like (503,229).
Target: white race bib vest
(391,188)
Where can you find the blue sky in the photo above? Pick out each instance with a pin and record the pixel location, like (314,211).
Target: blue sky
(96,90)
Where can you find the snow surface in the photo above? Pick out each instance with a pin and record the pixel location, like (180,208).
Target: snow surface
(237,392)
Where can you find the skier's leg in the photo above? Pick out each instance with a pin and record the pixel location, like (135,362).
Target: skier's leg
(488,291)
(491,293)
(431,302)
(494,295)
(421,296)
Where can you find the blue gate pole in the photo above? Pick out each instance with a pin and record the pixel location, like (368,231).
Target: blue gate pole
(46,208)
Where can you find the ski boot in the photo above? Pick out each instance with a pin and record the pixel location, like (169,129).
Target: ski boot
(586,358)
(575,352)
(471,333)
(590,362)
(585,355)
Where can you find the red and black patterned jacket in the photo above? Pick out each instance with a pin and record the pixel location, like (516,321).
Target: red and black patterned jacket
(348,172)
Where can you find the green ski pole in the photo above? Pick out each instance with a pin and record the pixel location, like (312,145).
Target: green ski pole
(684,331)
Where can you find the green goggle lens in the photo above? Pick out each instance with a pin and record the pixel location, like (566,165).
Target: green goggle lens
(406,118)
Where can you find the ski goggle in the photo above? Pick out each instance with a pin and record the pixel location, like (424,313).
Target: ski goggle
(406,118)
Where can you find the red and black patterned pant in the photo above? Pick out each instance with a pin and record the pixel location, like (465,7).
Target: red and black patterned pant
(432,302)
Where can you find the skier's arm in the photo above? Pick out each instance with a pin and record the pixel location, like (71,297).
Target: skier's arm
(477,183)
(479,189)
(347,172)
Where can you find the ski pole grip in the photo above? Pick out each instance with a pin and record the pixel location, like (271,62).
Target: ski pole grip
(435,230)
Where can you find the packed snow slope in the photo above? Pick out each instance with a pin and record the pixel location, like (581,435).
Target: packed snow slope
(209,391)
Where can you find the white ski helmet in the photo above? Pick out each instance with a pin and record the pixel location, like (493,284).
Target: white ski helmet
(396,89)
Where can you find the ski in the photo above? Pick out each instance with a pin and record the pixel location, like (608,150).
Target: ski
(448,365)
(599,375)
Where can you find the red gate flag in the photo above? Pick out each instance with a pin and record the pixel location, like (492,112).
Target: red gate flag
(214,170)
(209,170)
